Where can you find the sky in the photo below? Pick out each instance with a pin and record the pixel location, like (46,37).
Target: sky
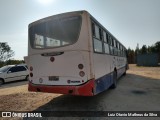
(132,22)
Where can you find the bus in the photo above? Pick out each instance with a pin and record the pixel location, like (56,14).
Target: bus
(72,53)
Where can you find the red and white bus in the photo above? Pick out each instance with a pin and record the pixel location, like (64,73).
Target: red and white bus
(72,53)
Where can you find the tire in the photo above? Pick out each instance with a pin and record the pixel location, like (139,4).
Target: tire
(125,70)
(114,85)
(124,73)
(27,78)
(1,81)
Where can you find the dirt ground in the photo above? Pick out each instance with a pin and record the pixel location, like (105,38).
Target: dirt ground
(138,90)
(150,72)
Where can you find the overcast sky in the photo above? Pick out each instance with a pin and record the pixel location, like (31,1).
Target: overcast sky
(130,21)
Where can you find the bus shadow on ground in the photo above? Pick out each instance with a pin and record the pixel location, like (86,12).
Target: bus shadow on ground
(74,103)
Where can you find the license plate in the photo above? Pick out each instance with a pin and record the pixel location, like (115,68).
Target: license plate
(53,78)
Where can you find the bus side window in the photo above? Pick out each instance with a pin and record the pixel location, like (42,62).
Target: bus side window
(97,32)
(97,45)
(118,48)
(112,42)
(104,36)
(116,44)
(121,51)
(106,45)
(93,29)
(106,48)
(112,45)
(100,33)
(107,38)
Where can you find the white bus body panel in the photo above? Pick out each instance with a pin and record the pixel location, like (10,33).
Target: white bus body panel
(66,65)
(102,65)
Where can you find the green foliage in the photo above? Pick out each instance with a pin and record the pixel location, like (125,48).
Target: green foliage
(157,46)
(11,62)
(144,49)
(5,52)
(131,56)
(150,49)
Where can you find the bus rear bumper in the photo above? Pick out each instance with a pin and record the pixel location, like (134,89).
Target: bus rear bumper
(86,89)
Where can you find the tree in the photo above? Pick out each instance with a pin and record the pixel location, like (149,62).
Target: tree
(157,46)
(13,62)
(144,49)
(5,51)
(131,56)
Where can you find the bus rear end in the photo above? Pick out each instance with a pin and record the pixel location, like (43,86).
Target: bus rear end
(58,58)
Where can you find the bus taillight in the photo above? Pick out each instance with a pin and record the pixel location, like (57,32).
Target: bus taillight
(31,74)
(81,73)
(31,68)
(80,66)
(52,59)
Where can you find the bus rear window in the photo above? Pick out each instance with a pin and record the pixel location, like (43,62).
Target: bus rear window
(55,32)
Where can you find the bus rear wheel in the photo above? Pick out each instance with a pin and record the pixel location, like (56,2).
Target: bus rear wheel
(114,85)
(125,70)
(124,73)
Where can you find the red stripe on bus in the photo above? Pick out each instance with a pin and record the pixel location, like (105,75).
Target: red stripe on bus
(83,90)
